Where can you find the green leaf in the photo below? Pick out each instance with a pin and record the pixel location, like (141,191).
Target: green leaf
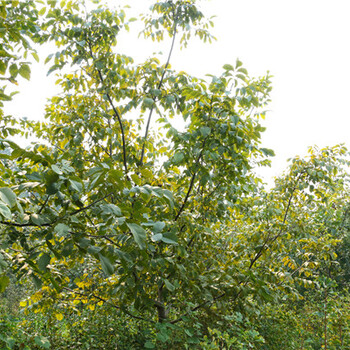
(8,196)
(24,71)
(169,237)
(13,70)
(169,285)
(3,12)
(156,92)
(268,152)
(3,263)
(94,250)
(37,281)
(228,67)
(157,237)
(4,282)
(48,58)
(42,342)
(52,188)
(56,169)
(62,230)
(139,235)
(169,195)
(170,99)
(107,267)
(5,211)
(158,226)
(111,209)
(37,219)
(241,76)
(3,67)
(35,56)
(148,102)
(243,70)
(168,240)
(99,65)
(238,63)
(84,242)
(54,283)
(205,130)
(42,11)
(178,157)
(77,186)
(43,261)
(52,69)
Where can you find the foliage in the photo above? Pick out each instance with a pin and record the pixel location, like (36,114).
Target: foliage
(99,201)
(129,220)
(320,320)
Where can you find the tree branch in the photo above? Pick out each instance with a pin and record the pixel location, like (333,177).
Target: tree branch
(121,308)
(14,224)
(191,183)
(44,204)
(159,86)
(116,113)
(260,252)
(198,307)
(187,196)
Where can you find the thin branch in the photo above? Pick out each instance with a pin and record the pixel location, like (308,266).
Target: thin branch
(260,252)
(44,204)
(295,271)
(159,86)
(191,184)
(121,308)
(208,302)
(109,154)
(93,295)
(115,111)
(187,196)
(14,224)
(121,128)
(86,207)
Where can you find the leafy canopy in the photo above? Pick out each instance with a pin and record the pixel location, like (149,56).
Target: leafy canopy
(116,206)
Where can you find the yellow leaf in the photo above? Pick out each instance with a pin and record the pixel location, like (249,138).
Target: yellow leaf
(59,317)
(92,307)
(23,303)
(136,179)
(146,173)
(81,284)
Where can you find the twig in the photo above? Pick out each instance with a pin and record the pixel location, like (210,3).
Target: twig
(14,224)
(191,183)
(260,252)
(121,308)
(43,206)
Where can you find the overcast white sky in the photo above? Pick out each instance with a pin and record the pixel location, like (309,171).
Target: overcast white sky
(305,44)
